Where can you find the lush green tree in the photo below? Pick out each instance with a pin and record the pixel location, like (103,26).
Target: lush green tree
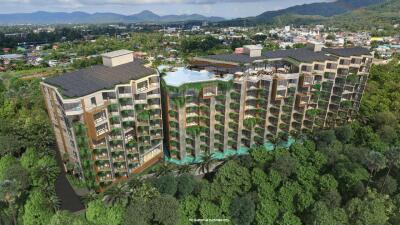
(166,184)
(5,163)
(370,210)
(138,212)
(260,155)
(321,213)
(289,218)
(189,206)
(285,164)
(45,173)
(98,213)
(209,210)
(66,218)
(324,137)
(165,210)
(145,192)
(243,210)
(344,134)
(29,158)
(232,179)
(37,209)
(386,185)
(186,185)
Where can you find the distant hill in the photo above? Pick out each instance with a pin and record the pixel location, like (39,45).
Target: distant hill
(374,17)
(313,11)
(82,17)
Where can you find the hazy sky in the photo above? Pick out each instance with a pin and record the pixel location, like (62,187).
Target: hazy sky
(223,8)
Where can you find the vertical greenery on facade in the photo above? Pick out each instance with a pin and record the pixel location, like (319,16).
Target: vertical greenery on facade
(85,155)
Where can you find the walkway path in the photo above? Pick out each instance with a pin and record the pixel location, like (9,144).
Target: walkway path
(70,201)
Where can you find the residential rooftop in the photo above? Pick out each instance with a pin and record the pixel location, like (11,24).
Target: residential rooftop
(181,76)
(347,52)
(306,55)
(300,54)
(97,78)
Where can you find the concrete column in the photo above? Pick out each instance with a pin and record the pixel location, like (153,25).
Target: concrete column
(197,145)
(241,112)
(226,122)
(212,124)
(182,131)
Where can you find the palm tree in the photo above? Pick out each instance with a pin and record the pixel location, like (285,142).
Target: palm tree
(234,157)
(54,201)
(10,194)
(186,168)
(275,142)
(206,162)
(92,195)
(119,193)
(393,159)
(374,161)
(134,182)
(164,169)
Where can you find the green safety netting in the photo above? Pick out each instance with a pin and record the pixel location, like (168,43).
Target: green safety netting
(229,152)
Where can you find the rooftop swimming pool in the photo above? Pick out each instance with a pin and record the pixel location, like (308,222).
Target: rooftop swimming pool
(183,75)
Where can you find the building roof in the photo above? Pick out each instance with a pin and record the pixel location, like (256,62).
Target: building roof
(347,52)
(99,77)
(235,58)
(300,54)
(117,53)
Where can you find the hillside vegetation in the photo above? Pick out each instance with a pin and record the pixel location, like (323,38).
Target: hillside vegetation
(381,16)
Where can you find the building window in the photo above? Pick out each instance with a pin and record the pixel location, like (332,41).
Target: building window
(93,101)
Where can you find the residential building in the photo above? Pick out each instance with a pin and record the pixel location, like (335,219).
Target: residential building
(240,100)
(107,118)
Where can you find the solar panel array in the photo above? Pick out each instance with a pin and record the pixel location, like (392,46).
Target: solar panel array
(301,54)
(96,78)
(347,52)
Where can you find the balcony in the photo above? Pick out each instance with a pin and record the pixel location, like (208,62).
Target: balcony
(72,109)
(105,177)
(118,157)
(154,85)
(103,167)
(154,106)
(125,95)
(302,99)
(152,96)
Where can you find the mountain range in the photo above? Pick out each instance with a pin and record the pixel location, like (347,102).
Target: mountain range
(308,11)
(297,15)
(82,17)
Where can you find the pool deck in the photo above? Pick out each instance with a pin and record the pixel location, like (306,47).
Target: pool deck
(181,76)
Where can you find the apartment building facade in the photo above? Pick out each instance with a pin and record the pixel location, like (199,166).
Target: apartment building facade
(246,99)
(108,118)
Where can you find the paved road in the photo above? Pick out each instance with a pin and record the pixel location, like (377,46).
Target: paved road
(70,201)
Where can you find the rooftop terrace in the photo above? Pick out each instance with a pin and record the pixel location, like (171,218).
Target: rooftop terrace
(182,76)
